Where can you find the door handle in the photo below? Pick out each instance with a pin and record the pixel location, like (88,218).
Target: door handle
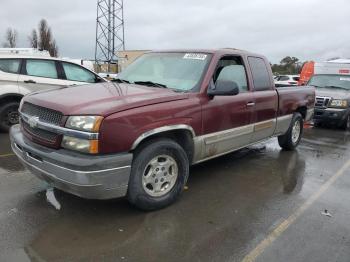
(29,81)
(250,104)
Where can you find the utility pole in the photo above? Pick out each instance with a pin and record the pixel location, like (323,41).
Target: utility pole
(109,32)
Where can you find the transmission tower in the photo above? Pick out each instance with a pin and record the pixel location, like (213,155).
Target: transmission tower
(109,31)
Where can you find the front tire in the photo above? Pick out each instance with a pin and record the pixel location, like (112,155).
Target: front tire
(158,175)
(346,124)
(291,139)
(9,116)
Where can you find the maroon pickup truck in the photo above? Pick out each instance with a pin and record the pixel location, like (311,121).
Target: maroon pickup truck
(137,137)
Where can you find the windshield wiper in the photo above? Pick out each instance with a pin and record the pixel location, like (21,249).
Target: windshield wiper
(340,87)
(150,83)
(119,80)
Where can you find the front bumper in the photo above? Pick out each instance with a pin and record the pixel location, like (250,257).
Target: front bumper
(87,176)
(331,115)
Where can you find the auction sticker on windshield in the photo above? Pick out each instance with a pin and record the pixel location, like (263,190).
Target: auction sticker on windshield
(195,56)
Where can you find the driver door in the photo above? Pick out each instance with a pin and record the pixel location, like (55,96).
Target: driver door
(227,120)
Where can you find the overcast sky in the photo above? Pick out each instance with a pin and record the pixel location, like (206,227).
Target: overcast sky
(307,29)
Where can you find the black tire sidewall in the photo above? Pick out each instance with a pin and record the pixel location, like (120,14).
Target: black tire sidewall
(346,124)
(136,193)
(3,110)
(286,141)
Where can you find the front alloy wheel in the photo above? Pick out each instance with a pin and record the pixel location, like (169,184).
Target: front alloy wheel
(159,173)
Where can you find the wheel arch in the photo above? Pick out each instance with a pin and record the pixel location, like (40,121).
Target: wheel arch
(11,97)
(302,110)
(182,134)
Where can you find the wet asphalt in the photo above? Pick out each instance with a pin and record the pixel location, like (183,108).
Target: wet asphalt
(230,206)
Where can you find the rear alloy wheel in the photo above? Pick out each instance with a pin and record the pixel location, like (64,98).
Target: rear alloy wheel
(9,116)
(159,173)
(291,139)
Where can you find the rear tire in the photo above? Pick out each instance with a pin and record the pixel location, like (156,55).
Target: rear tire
(159,173)
(9,115)
(291,139)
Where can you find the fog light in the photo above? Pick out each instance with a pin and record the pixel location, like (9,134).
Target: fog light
(81,145)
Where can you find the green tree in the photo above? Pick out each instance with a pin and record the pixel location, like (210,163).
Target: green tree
(288,65)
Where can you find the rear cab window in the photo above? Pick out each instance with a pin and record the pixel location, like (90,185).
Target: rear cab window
(41,68)
(10,65)
(260,73)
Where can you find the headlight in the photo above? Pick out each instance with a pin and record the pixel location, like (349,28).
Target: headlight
(84,123)
(81,145)
(339,103)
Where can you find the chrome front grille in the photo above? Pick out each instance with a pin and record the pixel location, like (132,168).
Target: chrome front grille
(40,133)
(322,101)
(45,114)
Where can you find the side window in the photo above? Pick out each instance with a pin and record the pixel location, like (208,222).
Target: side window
(9,65)
(283,78)
(260,74)
(232,69)
(77,73)
(41,68)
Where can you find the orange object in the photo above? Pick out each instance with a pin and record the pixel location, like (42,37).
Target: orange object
(93,146)
(306,73)
(97,124)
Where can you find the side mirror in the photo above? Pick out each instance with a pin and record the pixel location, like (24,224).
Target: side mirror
(223,88)
(98,79)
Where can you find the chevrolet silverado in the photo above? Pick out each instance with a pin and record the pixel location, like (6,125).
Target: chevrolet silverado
(138,137)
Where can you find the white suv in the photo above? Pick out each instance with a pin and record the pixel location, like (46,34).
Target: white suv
(20,75)
(286,80)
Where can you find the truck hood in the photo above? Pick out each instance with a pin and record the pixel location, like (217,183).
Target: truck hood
(102,99)
(333,93)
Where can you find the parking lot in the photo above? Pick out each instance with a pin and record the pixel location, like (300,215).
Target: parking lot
(259,203)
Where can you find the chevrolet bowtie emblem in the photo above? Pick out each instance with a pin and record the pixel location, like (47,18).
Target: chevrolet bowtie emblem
(33,121)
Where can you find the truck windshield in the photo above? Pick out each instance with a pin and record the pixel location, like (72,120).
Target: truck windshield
(330,81)
(180,71)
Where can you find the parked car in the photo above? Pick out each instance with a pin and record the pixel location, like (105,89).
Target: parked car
(108,76)
(332,99)
(286,80)
(21,74)
(170,109)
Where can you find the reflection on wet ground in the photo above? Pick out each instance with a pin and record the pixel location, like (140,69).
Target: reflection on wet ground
(231,204)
